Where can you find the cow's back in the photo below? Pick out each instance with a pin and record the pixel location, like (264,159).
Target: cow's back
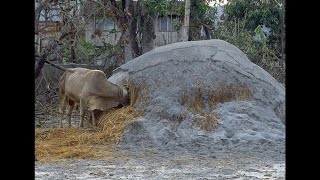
(74,82)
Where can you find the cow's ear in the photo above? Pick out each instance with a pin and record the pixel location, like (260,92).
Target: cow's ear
(126,86)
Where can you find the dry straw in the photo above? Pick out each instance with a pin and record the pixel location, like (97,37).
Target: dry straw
(83,143)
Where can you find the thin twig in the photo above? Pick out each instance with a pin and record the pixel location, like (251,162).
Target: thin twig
(39,83)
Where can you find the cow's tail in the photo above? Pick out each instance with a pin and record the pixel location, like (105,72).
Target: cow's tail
(61,85)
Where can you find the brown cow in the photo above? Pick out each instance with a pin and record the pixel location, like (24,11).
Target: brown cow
(85,87)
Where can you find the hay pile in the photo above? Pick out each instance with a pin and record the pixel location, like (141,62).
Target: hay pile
(80,143)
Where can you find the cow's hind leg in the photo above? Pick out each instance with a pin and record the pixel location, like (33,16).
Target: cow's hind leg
(69,112)
(82,106)
(62,108)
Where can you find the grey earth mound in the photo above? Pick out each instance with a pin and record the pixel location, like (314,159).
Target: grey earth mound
(167,74)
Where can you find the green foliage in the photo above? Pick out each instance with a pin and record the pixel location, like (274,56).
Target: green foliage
(113,31)
(243,20)
(243,39)
(258,52)
(201,14)
(87,50)
(262,37)
(162,7)
(255,12)
(153,7)
(65,52)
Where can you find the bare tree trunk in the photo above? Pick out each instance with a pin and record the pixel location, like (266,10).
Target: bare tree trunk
(71,29)
(148,32)
(124,23)
(72,43)
(207,32)
(39,66)
(185,30)
(128,24)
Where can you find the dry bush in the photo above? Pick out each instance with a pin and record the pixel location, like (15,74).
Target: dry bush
(46,96)
(196,102)
(80,143)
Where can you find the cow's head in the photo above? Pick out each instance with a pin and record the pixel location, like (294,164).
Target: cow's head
(124,100)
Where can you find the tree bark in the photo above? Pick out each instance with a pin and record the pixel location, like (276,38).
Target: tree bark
(133,29)
(127,23)
(185,32)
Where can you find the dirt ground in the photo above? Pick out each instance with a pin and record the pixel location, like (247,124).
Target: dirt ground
(152,165)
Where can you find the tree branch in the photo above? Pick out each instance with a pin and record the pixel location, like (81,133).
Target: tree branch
(56,66)
(39,66)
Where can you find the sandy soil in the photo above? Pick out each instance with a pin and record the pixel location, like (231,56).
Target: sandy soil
(155,166)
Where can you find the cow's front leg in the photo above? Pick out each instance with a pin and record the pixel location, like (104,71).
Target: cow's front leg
(61,109)
(93,118)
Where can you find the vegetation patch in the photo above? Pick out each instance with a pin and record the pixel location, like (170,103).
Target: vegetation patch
(200,99)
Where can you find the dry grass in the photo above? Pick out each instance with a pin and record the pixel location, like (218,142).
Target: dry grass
(225,93)
(80,143)
(63,143)
(137,94)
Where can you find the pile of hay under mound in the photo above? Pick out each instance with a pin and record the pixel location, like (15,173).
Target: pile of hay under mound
(74,142)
